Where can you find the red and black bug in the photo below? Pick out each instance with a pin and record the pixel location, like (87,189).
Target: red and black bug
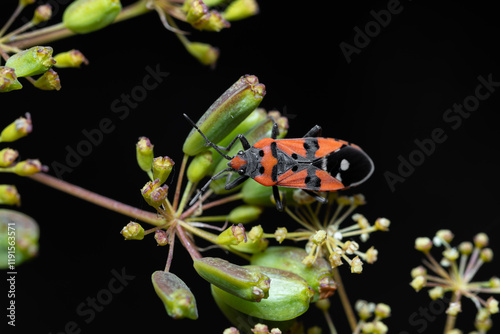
(310,163)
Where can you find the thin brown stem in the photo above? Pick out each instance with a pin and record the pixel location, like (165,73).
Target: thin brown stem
(97,199)
(344,299)
(186,242)
(451,319)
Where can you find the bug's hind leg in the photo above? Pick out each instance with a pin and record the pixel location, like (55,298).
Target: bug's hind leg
(316,196)
(277,198)
(314,132)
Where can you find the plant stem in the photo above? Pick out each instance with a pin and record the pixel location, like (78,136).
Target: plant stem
(105,202)
(59,31)
(451,319)
(344,299)
(179,182)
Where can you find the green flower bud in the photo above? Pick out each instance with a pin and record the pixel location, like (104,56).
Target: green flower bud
(161,237)
(9,195)
(199,166)
(133,231)
(154,194)
(144,154)
(205,53)
(33,61)
(72,58)
(42,14)
(162,167)
(241,9)
(233,235)
(201,18)
(226,113)
(7,157)
(8,80)
(19,128)
(318,275)
(178,300)
(84,16)
(255,193)
(28,167)
(251,246)
(289,296)
(237,281)
(244,214)
(27,233)
(48,81)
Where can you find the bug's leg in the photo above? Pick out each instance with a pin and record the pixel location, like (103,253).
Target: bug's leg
(235,183)
(205,187)
(314,132)
(316,196)
(275,131)
(277,198)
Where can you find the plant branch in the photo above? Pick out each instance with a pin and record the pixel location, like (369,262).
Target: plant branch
(97,199)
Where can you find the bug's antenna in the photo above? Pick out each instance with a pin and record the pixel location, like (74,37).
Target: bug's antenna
(215,147)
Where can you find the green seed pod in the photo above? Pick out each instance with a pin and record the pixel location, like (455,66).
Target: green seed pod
(289,296)
(133,231)
(162,167)
(9,195)
(8,80)
(244,214)
(144,153)
(226,113)
(33,61)
(21,127)
(255,193)
(28,167)
(179,301)
(318,275)
(250,285)
(26,238)
(240,9)
(48,81)
(84,16)
(72,58)
(154,194)
(7,157)
(233,235)
(199,167)
(251,246)
(246,323)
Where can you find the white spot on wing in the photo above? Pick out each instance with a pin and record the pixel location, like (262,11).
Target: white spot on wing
(344,164)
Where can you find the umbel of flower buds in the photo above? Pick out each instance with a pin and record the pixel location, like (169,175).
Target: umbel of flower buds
(84,16)
(33,61)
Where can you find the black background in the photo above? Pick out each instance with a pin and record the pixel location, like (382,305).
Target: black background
(393,92)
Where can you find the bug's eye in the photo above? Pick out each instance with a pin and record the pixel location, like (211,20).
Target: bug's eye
(241,171)
(241,153)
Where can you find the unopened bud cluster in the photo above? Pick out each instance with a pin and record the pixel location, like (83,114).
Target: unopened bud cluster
(454,272)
